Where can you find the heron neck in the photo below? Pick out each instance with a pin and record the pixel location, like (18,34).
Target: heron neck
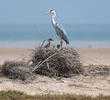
(53,19)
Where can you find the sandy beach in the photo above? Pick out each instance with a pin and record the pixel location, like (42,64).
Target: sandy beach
(87,85)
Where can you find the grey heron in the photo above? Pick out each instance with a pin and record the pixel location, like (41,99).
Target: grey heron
(58,28)
(58,46)
(49,43)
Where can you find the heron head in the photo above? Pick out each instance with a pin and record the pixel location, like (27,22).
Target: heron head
(51,12)
(50,39)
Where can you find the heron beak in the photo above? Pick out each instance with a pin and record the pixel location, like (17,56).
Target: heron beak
(48,13)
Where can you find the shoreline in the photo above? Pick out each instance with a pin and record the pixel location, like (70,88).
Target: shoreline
(79,44)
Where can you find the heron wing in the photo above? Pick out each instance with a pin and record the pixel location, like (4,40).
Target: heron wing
(61,32)
(47,45)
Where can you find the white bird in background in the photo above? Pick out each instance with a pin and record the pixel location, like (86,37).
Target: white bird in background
(59,30)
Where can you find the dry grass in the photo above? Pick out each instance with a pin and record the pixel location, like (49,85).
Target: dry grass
(15,95)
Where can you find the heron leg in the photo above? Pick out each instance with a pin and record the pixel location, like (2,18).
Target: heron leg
(61,43)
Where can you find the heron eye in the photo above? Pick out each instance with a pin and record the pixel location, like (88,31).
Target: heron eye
(51,10)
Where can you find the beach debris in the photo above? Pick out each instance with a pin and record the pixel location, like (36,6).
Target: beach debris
(16,70)
(54,62)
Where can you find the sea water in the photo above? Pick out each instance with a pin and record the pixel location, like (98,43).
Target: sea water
(40,32)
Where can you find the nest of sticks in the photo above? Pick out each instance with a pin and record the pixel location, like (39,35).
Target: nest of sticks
(54,62)
(50,62)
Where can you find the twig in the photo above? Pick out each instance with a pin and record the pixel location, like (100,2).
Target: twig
(47,64)
(42,44)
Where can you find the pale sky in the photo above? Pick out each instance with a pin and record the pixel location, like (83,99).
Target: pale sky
(68,11)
